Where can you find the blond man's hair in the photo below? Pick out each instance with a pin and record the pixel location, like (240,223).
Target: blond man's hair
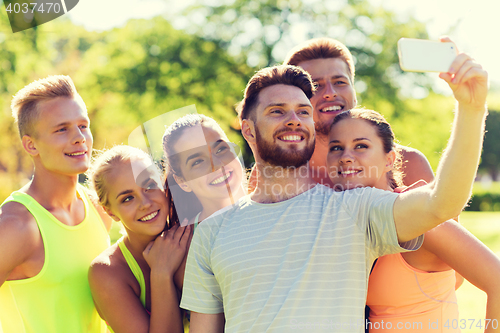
(321,48)
(25,103)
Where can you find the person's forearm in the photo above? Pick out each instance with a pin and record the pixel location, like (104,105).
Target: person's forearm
(206,323)
(457,170)
(165,312)
(492,314)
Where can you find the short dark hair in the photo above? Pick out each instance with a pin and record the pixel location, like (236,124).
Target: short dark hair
(320,48)
(266,77)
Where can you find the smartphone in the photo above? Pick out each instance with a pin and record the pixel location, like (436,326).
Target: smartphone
(420,55)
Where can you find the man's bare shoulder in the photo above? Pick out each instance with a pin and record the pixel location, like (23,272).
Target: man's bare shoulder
(19,237)
(415,166)
(16,218)
(410,150)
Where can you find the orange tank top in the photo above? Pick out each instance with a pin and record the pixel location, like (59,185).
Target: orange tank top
(407,299)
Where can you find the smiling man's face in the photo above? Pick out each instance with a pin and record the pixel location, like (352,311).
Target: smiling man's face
(335,91)
(284,126)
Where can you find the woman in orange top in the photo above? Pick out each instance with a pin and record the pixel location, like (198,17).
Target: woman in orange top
(411,291)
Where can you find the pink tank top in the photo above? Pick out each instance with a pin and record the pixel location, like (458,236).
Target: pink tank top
(407,299)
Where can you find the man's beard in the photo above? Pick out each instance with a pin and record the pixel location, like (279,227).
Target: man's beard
(275,155)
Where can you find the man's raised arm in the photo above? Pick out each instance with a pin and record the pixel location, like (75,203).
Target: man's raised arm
(419,210)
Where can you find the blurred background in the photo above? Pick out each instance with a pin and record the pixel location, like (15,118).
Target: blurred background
(134,60)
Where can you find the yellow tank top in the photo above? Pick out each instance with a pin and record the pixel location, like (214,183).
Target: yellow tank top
(136,270)
(57,299)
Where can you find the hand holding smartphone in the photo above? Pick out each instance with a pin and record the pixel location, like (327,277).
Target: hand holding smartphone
(420,55)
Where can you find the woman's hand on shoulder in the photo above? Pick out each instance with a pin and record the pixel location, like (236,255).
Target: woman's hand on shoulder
(165,254)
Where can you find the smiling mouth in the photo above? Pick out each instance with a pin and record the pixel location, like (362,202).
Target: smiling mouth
(77,154)
(347,173)
(221,178)
(334,108)
(149,217)
(291,138)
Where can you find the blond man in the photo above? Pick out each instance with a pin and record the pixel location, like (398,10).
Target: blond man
(49,229)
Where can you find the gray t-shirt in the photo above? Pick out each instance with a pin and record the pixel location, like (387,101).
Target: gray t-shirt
(300,264)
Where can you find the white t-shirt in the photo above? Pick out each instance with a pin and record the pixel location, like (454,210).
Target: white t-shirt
(296,265)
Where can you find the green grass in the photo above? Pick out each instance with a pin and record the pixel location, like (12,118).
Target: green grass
(486,227)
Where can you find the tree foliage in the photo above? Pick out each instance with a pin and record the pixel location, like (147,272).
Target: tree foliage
(147,68)
(490,159)
(130,75)
(126,76)
(262,33)
(21,56)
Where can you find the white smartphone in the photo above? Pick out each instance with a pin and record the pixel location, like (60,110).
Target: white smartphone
(420,55)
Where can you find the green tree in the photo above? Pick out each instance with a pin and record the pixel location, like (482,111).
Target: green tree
(425,124)
(126,76)
(490,158)
(262,32)
(24,56)
(133,74)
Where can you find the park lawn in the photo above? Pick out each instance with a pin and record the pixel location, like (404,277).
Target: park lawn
(471,300)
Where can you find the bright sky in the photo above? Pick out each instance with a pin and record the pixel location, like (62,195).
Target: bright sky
(476,22)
